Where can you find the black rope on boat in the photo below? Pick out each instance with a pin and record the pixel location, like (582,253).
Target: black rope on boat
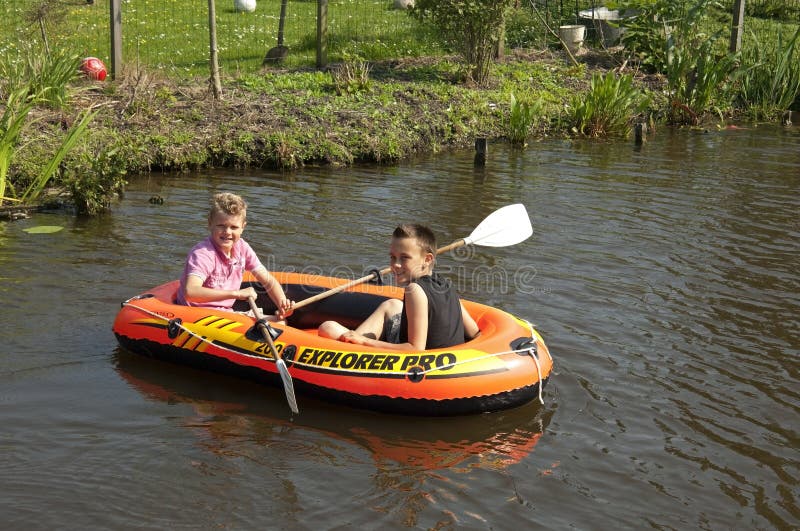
(376,276)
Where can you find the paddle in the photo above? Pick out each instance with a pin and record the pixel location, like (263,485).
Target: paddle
(506,226)
(288,386)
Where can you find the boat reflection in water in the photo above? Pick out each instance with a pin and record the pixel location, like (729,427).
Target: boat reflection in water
(229,411)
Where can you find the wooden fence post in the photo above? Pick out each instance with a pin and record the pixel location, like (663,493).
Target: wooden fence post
(322,33)
(738,26)
(216,84)
(116,38)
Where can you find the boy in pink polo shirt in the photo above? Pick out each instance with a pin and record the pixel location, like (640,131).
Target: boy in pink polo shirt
(212,276)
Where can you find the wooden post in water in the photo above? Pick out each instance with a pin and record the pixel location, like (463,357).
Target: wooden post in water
(481,150)
(116,38)
(738,26)
(639,132)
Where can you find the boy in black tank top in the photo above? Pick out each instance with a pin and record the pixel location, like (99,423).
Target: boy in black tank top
(430,314)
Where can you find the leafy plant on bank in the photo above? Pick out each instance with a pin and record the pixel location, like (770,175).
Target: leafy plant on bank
(96,176)
(608,107)
(351,76)
(770,83)
(657,27)
(472,28)
(698,76)
(33,79)
(51,168)
(667,36)
(645,35)
(17,107)
(523,115)
(43,74)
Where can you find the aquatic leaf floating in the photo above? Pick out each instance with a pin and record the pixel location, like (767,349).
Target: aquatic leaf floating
(43,229)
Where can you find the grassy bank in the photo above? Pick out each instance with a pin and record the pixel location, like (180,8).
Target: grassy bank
(292,118)
(382,110)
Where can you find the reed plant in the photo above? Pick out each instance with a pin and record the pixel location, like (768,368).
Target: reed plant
(51,168)
(45,75)
(18,105)
(609,106)
(34,81)
(523,116)
(770,81)
(699,78)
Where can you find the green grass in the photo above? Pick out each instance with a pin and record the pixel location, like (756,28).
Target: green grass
(172,35)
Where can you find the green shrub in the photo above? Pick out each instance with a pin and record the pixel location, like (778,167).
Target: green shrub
(472,28)
(97,176)
(609,106)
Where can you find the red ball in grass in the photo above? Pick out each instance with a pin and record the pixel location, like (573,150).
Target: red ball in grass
(94,68)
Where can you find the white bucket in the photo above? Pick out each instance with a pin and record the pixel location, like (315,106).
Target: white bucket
(599,17)
(572,36)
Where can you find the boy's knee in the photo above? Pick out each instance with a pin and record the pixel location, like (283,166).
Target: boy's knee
(331,329)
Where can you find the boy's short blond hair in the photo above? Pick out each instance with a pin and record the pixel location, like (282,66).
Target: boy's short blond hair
(228,203)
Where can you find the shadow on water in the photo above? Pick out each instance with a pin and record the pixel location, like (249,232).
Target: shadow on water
(225,411)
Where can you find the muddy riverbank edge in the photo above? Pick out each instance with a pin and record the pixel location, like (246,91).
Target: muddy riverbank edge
(288,119)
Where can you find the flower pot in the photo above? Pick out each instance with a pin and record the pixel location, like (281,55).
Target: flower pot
(572,36)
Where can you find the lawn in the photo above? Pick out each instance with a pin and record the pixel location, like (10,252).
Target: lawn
(173,34)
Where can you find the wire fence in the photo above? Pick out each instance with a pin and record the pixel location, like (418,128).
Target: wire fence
(173,34)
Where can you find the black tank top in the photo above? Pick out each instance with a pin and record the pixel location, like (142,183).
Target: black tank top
(445,324)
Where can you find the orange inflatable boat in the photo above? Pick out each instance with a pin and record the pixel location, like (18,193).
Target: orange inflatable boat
(507,365)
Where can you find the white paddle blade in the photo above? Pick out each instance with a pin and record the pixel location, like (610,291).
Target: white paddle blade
(506,226)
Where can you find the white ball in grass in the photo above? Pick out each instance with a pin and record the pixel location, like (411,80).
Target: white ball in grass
(248,6)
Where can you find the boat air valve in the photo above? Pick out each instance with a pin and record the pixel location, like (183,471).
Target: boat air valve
(174,327)
(415,374)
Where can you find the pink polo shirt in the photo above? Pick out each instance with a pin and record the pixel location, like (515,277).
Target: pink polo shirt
(217,270)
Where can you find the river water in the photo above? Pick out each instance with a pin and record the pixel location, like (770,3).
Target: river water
(664,278)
